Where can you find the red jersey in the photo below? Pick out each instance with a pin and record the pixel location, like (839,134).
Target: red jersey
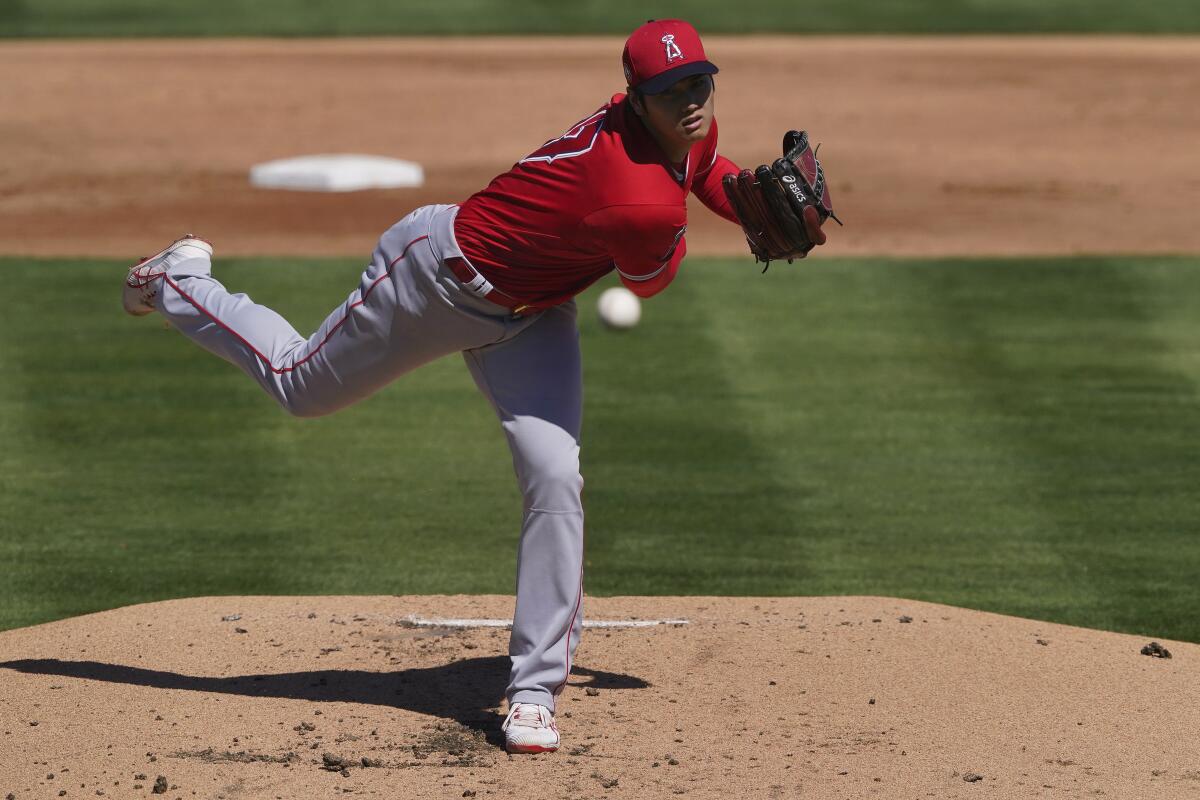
(602,196)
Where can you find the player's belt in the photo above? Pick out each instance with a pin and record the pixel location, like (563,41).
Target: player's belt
(480,286)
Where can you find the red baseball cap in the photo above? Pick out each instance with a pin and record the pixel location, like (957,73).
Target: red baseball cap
(662,52)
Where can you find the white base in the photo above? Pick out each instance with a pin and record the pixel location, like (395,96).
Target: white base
(342,172)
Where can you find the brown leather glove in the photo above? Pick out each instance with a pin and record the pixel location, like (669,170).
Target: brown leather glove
(781,207)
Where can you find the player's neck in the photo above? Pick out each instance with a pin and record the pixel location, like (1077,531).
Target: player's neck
(675,151)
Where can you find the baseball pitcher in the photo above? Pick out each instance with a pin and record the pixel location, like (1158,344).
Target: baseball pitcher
(494,278)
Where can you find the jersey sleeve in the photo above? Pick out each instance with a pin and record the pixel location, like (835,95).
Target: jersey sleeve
(646,243)
(707,184)
(710,191)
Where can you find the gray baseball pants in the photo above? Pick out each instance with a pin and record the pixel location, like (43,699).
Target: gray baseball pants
(407,311)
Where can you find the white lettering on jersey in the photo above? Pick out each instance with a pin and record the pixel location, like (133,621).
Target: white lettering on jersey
(578,140)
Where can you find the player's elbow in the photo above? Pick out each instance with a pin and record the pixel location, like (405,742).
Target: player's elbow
(652,284)
(643,289)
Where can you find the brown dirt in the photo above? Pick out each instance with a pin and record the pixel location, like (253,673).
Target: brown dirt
(789,698)
(935,146)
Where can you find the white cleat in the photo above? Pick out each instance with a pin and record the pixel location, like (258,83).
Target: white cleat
(142,283)
(530,728)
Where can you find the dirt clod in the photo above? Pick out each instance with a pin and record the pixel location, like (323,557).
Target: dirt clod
(906,619)
(211,755)
(607,783)
(465,746)
(333,763)
(592,691)
(1156,650)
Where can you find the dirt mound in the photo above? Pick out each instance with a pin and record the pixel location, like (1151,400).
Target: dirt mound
(934,146)
(264,697)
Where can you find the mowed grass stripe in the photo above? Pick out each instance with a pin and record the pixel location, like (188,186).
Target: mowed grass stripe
(897,485)
(1088,384)
(379,18)
(1006,435)
(411,490)
(680,496)
(150,469)
(1080,365)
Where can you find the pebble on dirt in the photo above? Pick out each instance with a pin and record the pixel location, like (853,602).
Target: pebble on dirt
(971,777)
(160,785)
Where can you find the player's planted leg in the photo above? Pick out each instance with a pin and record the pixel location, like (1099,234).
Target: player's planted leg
(534,382)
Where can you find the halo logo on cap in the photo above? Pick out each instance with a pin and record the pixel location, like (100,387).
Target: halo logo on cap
(662,52)
(673,51)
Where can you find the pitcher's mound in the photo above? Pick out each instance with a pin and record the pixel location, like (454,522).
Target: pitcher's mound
(844,697)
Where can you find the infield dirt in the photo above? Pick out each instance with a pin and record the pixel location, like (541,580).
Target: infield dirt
(261,697)
(934,146)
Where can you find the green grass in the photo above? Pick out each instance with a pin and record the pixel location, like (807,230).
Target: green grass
(387,17)
(1015,436)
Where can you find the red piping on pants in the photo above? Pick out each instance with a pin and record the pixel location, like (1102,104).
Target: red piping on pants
(578,601)
(253,349)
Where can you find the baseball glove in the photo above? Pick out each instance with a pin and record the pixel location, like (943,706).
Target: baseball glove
(781,207)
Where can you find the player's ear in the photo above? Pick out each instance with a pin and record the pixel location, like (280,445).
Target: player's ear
(635,100)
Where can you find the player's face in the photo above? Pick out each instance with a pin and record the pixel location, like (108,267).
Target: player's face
(683,114)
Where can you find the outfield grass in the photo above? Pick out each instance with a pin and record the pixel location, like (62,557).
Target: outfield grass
(387,17)
(1003,435)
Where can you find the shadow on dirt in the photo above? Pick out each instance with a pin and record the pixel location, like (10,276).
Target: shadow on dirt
(467,691)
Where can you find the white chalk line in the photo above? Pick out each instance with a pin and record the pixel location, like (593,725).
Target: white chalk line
(423,622)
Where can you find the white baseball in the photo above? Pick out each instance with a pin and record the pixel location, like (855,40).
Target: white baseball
(619,308)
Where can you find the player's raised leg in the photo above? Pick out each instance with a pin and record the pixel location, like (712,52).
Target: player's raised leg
(405,312)
(534,381)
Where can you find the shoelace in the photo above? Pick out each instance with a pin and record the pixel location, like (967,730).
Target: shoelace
(527,715)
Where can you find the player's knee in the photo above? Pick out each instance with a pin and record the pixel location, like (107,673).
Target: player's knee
(552,483)
(299,405)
